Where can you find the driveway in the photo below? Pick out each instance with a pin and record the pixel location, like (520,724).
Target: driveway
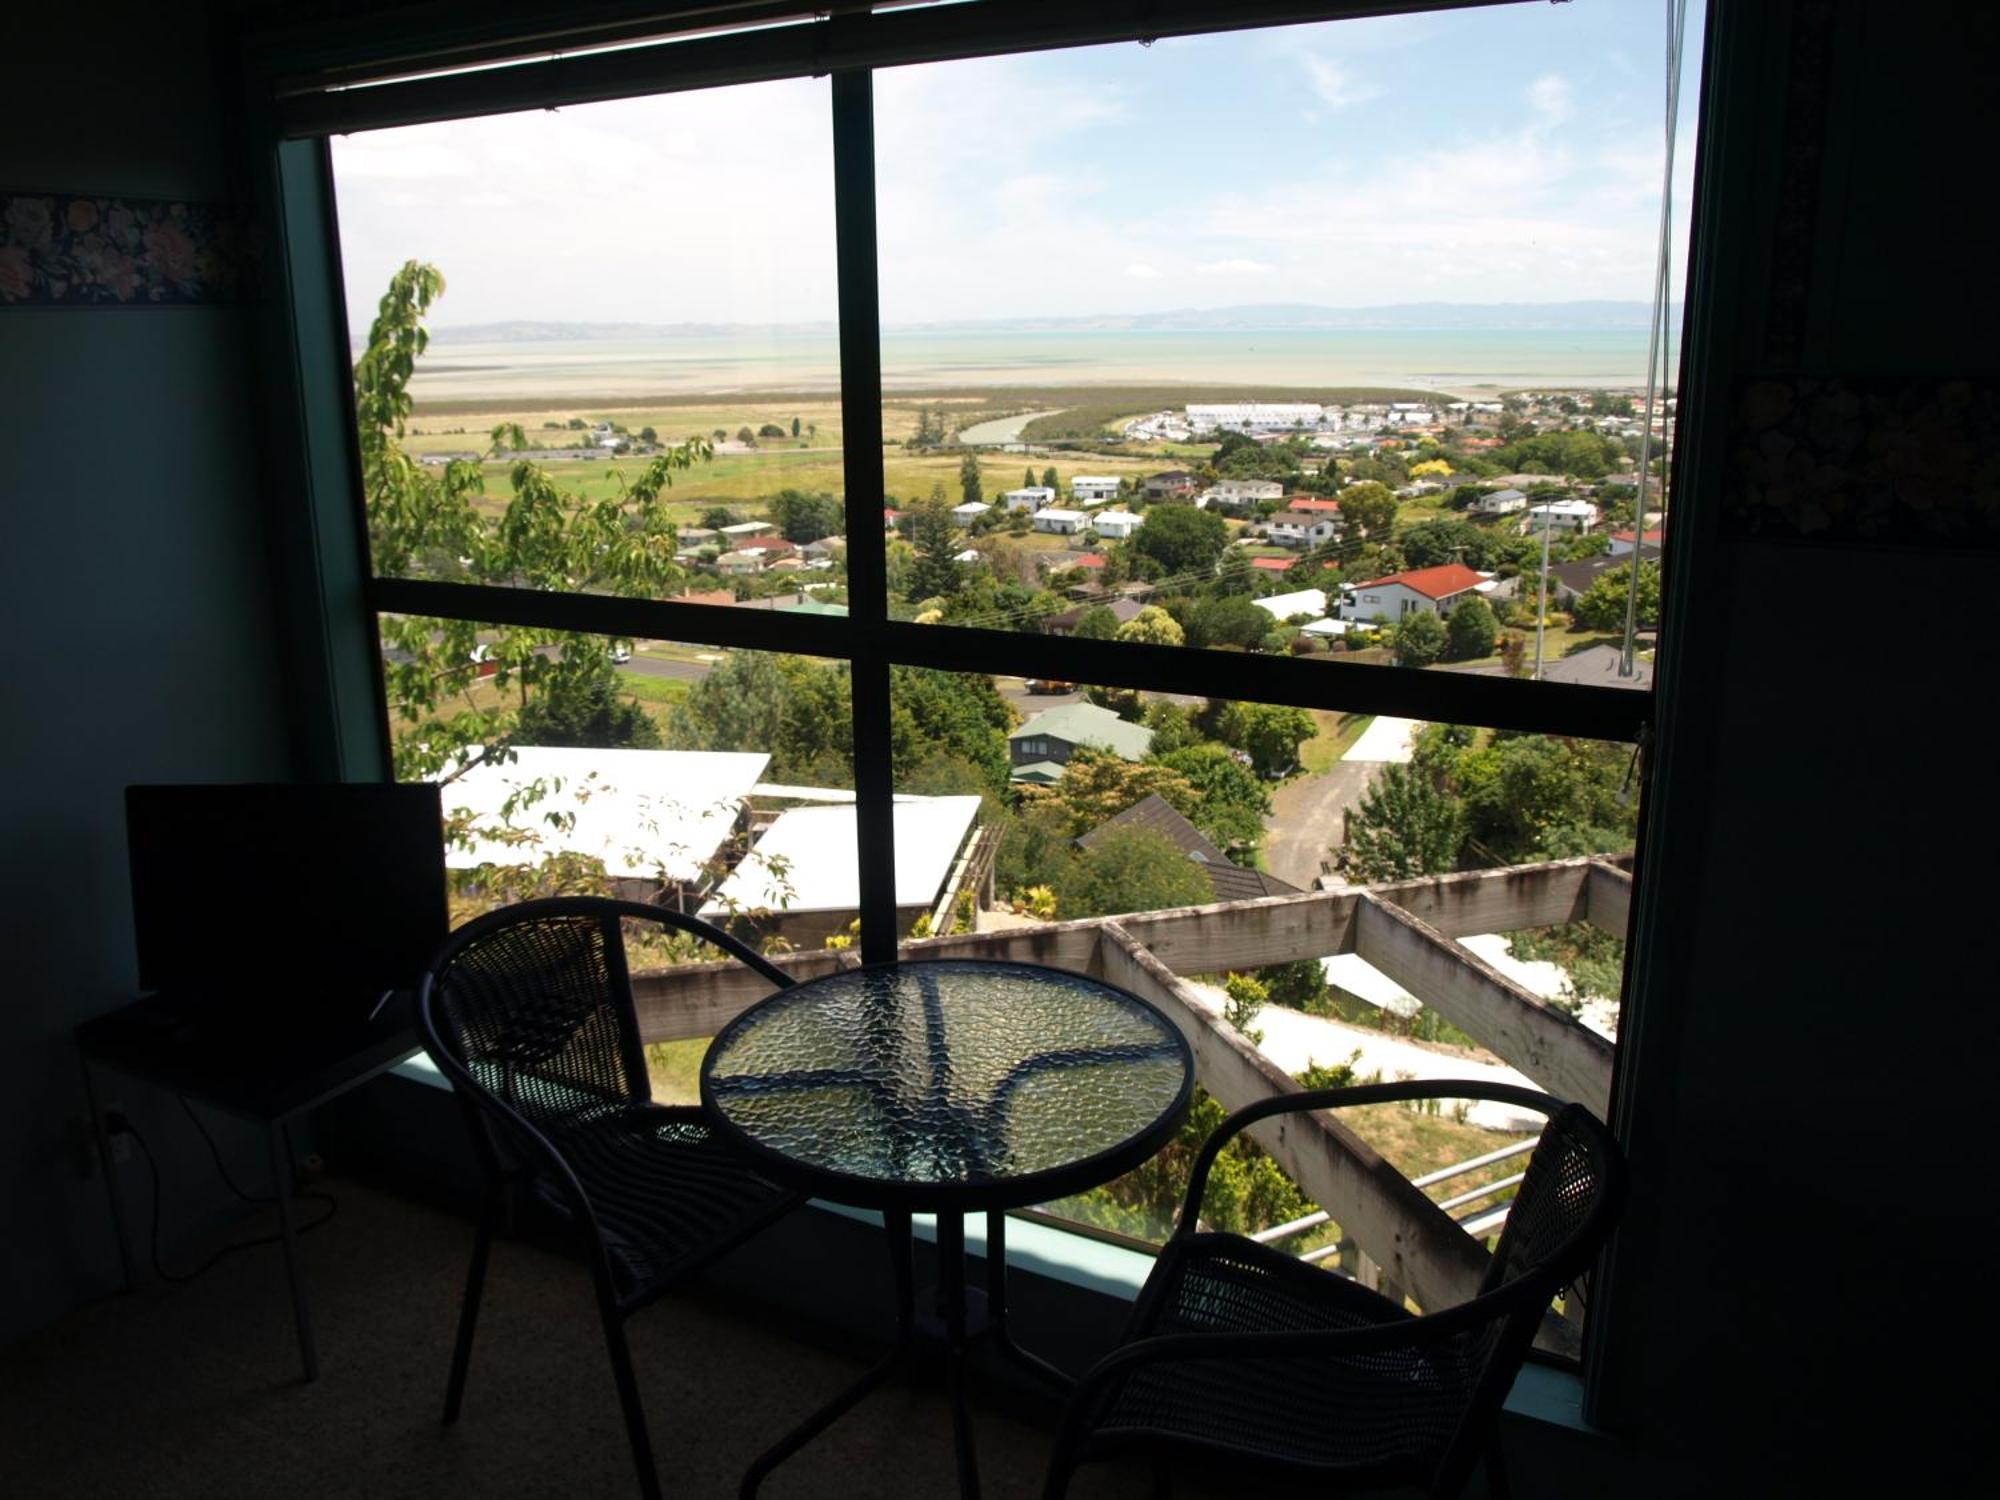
(1309,815)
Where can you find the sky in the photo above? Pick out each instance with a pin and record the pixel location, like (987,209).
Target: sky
(1506,154)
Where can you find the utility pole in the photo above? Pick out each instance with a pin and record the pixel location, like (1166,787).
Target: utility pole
(1542,600)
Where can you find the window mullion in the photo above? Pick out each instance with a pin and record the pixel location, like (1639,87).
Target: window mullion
(861,465)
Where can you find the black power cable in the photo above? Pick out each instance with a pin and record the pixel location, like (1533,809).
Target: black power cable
(122,1123)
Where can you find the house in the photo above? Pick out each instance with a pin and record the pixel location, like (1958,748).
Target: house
(966,514)
(772,547)
(1093,489)
(1560,515)
(1029,498)
(1306,522)
(1746,1331)
(740,564)
(1235,493)
(1273,564)
(1060,521)
(1226,881)
(1116,525)
(1282,607)
(743,531)
(1501,502)
(1090,562)
(704,596)
(1432,590)
(801,879)
(1051,737)
(1624,540)
(1569,580)
(1065,623)
(1168,484)
(827,547)
(693,538)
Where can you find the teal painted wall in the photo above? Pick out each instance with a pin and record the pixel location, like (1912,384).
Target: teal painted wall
(134,602)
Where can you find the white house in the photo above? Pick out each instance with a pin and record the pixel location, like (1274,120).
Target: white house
(1117,524)
(1561,515)
(972,510)
(740,564)
(1282,607)
(1430,590)
(1501,503)
(1246,491)
(1254,416)
(1300,531)
(1030,498)
(742,531)
(1061,522)
(1093,489)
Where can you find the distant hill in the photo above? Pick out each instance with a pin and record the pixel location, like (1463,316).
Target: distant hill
(1456,317)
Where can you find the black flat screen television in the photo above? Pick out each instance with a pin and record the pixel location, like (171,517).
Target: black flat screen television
(332,893)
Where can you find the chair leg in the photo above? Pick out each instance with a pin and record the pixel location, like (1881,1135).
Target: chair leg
(628,1398)
(468,1312)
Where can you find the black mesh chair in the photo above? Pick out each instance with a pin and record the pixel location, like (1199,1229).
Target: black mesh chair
(1244,1352)
(529,1013)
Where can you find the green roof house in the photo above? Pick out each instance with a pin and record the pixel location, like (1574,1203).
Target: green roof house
(1050,738)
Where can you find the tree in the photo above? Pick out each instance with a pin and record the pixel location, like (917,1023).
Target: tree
(583,709)
(970,490)
(1602,606)
(1367,512)
(1049,480)
(938,720)
(1405,826)
(1234,803)
(1131,869)
(1431,543)
(1152,626)
(1271,733)
(1096,624)
(1299,985)
(1181,539)
(719,434)
(935,572)
(648,435)
(1232,620)
(718,516)
(1471,630)
(1419,640)
(1535,796)
(801,517)
(423,520)
(795,426)
(770,430)
(1028,479)
(1096,786)
(793,708)
(1246,996)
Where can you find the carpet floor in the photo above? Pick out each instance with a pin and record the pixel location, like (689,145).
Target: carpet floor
(194,1391)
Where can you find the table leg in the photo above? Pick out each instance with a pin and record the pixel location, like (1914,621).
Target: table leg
(996,1306)
(284,1173)
(896,1225)
(951,1304)
(104,1164)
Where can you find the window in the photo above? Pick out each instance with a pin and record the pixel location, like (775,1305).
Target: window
(687,343)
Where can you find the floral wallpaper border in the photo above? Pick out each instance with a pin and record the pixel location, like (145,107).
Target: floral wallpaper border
(1873,462)
(87,250)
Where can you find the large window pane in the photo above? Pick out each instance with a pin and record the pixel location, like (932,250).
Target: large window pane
(1299,339)
(631,381)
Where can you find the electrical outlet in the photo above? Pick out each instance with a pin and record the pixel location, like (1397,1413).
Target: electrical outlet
(121,1142)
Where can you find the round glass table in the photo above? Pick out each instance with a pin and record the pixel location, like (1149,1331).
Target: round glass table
(947,1086)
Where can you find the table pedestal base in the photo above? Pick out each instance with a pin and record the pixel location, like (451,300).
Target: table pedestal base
(961,1316)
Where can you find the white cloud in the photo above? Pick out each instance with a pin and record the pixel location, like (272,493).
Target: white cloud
(1333,83)
(1550,96)
(1236,267)
(1141,270)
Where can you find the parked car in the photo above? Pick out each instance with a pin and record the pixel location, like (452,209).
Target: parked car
(1049,685)
(621,652)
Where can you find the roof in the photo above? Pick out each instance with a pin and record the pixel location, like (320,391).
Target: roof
(1598,666)
(704,596)
(1121,610)
(1058,513)
(1307,505)
(815,607)
(1077,479)
(971,508)
(1273,564)
(1116,515)
(1087,724)
(1089,560)
(1433,583)
(1284,606)
(1577,577)
(1654,536)
(809,860)
(1041,772)
(1228,882)
(748,528)
(645,813)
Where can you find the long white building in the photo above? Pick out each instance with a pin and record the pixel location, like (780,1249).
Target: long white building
(1261,416)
